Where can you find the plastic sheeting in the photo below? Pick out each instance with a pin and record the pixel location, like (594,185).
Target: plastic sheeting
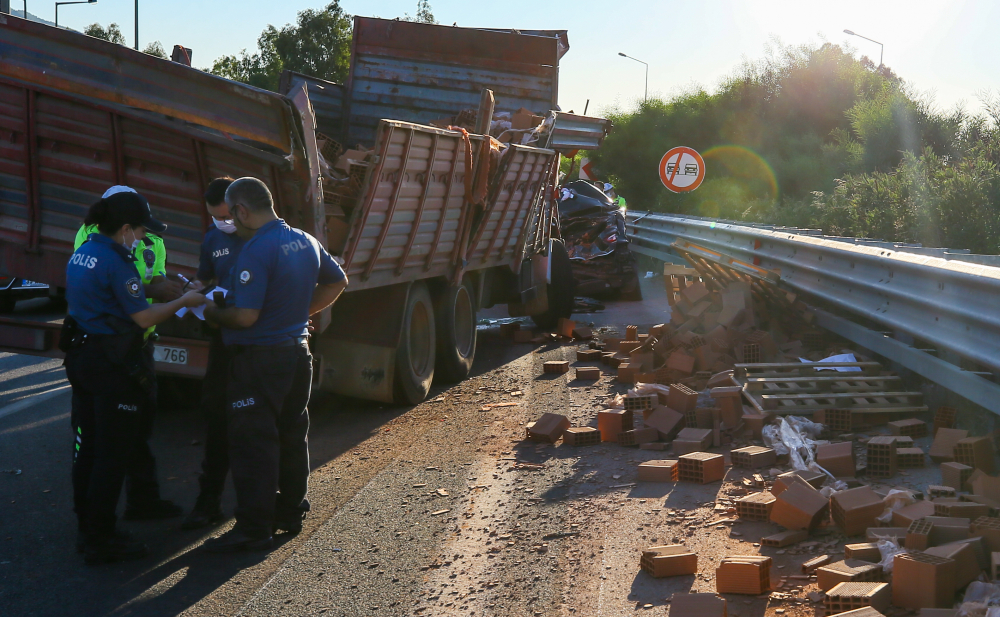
(888,549)
(894,500)
(794,436)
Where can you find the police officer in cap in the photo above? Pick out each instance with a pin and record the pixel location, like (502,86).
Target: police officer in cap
(107,366)
(142,489)
(282,276)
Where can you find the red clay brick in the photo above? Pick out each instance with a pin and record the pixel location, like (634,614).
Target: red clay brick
(638,436)
(975,452)
(588,373)
(918,535)
(556,366)
(837,458)
(944,417)
(750,575)
(665,420)
(943,448)
(508,329)
(755,507)
(626,373)
(582,436)
(966,564)
(753,457)
(631,333)
(855,510)
(910,427)
(657,471)
(701,467)
(681,362)
(610,422)
(955,475)
(786,538)
(588,355)
(638,402)
(920,580)
(882,461)
(673,560)
(851,596)
(783,481)
(550,427)
(905,516)
(864,551)
(681,398)
(800,507)
(565,327)
(853,571)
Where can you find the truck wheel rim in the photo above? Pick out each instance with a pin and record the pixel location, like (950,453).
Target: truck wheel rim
(420,339)
(464,325)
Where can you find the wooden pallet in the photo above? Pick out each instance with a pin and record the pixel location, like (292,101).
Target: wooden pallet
(856,402)
(718,270)
(742,372)
(809,384)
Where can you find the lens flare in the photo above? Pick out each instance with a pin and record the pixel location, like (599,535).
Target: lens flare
(743,164)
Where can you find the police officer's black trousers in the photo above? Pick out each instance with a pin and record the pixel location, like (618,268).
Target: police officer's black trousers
(215,465)
(106,419)
(269,390)
(141,485)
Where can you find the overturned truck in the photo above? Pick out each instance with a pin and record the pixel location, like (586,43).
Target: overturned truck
(430,224)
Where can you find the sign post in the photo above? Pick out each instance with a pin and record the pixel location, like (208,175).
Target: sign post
(682,169)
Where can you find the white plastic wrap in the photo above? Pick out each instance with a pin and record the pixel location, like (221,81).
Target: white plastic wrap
(642,389)
(888,549)
(895,500)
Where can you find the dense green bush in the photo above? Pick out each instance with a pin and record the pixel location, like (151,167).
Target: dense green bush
(812,137)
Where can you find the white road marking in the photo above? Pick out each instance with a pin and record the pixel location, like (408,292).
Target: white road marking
(31,401)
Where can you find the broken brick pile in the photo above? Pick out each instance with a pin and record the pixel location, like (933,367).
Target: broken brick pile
(716,378)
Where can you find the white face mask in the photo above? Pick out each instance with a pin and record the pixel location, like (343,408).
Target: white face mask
(225,226)
(135,241)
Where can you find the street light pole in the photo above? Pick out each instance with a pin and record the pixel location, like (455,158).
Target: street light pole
(58,4)
(645,94)
(137,25)
(881,47)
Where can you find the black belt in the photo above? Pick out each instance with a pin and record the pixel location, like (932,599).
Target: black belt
(293,342)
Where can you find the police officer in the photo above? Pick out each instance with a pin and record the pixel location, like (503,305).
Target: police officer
(219,250)
(107,367)
(142,489)
(282,276)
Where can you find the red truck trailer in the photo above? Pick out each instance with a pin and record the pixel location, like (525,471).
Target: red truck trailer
(439,223)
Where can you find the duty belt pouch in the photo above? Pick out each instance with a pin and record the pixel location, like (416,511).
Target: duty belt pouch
(70,334)
(125,351)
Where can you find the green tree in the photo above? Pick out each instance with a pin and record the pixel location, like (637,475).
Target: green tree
(319,44)
(155,49)
(112,33)
(424,15)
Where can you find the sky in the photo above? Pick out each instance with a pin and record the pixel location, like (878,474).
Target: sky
(942,49)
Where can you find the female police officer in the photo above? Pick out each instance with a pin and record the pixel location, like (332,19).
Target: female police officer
(105,364)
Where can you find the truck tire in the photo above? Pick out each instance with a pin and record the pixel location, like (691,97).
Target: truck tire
(416,350)
(456,333)
(561,291)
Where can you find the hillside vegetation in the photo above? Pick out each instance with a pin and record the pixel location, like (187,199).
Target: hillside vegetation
(813,137)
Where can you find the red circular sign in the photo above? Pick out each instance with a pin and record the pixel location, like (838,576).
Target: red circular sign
(682,169)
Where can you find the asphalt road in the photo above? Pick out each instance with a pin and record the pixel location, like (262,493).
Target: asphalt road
(40,574)
(439,509)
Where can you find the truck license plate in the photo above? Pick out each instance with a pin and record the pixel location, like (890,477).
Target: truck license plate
(170,355)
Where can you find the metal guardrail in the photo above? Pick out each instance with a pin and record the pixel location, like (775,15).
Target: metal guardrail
(934,296)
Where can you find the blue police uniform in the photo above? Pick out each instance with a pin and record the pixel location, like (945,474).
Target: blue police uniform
(219,251)
(104,364)
(270,374)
